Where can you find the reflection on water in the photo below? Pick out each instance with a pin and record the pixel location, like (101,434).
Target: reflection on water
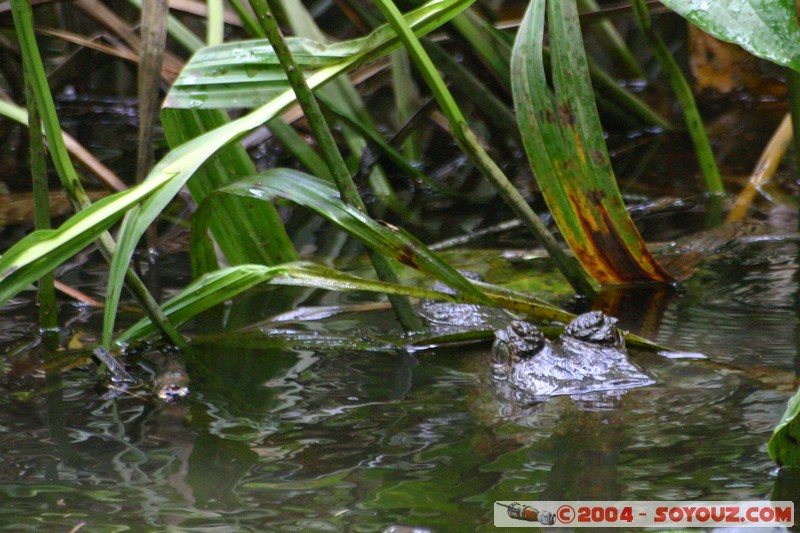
(297,441)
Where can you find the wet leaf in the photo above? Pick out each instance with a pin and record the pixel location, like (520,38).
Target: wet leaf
(247,73)
(766,28)
(784,445)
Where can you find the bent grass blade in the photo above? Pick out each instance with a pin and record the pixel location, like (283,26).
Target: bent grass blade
(323,198)
(216,287)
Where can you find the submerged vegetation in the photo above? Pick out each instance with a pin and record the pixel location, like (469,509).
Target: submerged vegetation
(245,74)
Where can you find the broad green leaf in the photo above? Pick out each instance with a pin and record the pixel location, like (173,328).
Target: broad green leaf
(765,28)
(323,198)
(784,445)
(564,141)
(247,73)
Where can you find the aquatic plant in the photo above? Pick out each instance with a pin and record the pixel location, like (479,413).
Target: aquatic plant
(233,71)
(559,128)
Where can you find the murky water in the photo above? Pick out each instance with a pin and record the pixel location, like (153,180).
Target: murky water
(274,440)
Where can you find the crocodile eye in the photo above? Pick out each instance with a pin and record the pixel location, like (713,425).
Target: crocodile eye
(525,330)
(520,340)
(594,327)
(525,338)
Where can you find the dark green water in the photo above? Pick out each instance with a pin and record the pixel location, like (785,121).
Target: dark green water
(281,440)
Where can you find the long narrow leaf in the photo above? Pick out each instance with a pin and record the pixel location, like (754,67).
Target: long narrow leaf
(564,141)
(323,198)
(217,287)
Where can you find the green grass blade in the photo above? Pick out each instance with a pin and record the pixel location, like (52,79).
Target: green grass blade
(682,90)
(564,142)
(216,287)
(323,198)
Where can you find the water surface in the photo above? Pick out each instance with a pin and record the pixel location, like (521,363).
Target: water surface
(291,440)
